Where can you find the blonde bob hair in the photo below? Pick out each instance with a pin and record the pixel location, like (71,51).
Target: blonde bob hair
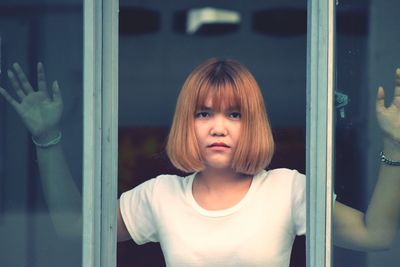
(229,84)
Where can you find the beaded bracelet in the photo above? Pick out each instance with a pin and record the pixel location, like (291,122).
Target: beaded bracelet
(50,143)
(387,161)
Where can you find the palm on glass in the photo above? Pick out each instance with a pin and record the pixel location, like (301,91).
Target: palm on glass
(40,113)
(389,117)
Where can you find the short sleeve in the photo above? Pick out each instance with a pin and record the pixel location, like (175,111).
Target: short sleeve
(137,212)
(299,203)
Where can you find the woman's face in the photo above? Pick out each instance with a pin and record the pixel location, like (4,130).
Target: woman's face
(217,133)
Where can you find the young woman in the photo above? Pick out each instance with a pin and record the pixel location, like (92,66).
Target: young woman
(229,211)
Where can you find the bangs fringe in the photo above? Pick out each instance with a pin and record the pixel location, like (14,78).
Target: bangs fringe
(223,92)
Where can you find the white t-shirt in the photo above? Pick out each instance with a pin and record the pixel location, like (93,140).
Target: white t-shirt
(258,231)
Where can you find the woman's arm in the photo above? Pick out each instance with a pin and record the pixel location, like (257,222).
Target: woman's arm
(41,114)
(63,197)
(122,232)
(376,229)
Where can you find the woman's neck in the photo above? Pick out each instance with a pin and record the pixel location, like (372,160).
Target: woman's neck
(217,179)
(220,189)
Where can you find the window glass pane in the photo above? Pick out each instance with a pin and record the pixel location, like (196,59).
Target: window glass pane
(157,53)
(41,225)
(367,40)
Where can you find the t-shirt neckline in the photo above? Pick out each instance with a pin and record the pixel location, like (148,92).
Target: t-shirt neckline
(221,212)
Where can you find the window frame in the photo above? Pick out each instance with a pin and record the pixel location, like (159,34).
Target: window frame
(100,131)
(319,134)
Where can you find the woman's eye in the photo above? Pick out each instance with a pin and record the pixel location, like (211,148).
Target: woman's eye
(235,115)
(202,114)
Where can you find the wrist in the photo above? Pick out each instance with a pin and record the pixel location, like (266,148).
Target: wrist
(47,139)
(47,136)
(391,148)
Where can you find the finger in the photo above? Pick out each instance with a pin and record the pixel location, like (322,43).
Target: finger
(397,84)
(15,85)
(380,98)
(26,86)
(56,92)
(396,95)
(9,98)
(41,76)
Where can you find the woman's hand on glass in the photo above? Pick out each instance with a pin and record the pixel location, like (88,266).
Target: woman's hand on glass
(40,112)
(389,117)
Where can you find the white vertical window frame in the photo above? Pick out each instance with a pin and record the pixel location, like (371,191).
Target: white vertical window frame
(109,177)
(320,92)
(100,129)
(91,184)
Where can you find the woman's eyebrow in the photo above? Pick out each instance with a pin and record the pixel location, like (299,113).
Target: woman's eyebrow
(233,108)
(205,108)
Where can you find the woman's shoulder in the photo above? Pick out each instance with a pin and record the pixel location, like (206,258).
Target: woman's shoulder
(161,183)
(285,180)
(283,177)
(284,173)
(170,181)
(171,178)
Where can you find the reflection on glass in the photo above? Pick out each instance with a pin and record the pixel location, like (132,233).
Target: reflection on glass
(40,220)
(367,43)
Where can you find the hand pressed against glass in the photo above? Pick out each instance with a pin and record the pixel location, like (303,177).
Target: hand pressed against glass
(40,111)
(376,228)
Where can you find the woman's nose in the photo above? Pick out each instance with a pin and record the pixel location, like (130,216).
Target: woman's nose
(219,127)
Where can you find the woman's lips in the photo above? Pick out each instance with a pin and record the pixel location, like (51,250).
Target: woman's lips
(218,146)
